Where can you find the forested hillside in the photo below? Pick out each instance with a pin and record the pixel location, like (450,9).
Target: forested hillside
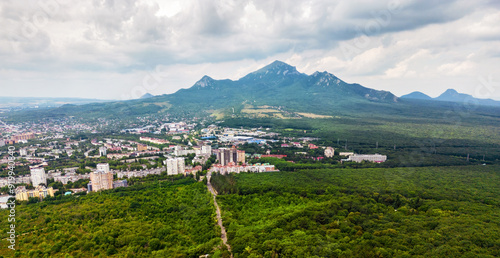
(401,212)
(151,219)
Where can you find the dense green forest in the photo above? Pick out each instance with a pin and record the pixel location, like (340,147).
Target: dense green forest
(418,139)
(170,218)
(370,212)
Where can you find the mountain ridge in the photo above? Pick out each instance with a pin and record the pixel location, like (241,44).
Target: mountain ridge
(276,85)
(452,95)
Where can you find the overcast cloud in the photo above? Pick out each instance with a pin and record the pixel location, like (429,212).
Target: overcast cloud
(119,49)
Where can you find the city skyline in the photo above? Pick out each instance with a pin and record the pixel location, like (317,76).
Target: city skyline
(120,50)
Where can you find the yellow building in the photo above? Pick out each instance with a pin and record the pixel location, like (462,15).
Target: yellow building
(241,156)
(142,147)
(22,194)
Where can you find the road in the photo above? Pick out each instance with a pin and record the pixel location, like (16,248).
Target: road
(219,218)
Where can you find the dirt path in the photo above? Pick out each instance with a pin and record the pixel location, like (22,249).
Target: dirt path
(219,218)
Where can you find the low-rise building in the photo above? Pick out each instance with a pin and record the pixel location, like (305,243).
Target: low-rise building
(231,168)
(142,147)
(120,183)
(273,156)
(329,152)
(22,194)
(367,157)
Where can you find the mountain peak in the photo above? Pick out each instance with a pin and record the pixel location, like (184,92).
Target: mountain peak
(416,95)
(451,95)
(204,81)
(147,96)
(278,67)
(450,91)
(275,71)
(325,79)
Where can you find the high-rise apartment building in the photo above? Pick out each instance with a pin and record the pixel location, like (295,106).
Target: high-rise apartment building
(175,166)
(232,155)
(38,176)
(100,180)
(103,167)
(103,151)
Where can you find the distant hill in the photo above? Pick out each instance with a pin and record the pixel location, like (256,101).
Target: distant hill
(147,96)
(452,95)
(40,102)
(416,95)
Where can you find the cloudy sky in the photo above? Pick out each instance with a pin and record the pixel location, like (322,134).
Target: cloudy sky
(119,49)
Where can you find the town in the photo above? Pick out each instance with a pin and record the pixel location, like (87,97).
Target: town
(71,157)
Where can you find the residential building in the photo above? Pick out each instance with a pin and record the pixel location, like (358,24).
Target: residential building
(78,190)
(256,168)
(193,171)
(117,155)
(22,194)
(175,166)
(240,156)
(23,152)
(120,183)
(154,140)
(3,201)
(312,146)
(100,180)
(103,151)
(38,176)
(142,147)
(103,167)
(24,136)
(367,157)
(272,156)
(329,152)
(346,153)
(229,155)
(206,150)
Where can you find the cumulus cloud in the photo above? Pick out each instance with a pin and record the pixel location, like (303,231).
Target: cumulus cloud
(381,44)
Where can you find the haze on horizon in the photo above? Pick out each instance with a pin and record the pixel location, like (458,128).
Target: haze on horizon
(120,49)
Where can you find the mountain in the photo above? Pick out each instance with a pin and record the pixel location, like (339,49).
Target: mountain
(147,96)
(277,85)
(416,95)
(452,95)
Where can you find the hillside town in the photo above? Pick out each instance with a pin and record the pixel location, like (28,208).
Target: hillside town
(58,158)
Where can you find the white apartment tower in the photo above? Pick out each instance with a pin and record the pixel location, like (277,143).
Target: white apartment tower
(103,167)
(103,151)
(206,149)
(175,166)
(38,176)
